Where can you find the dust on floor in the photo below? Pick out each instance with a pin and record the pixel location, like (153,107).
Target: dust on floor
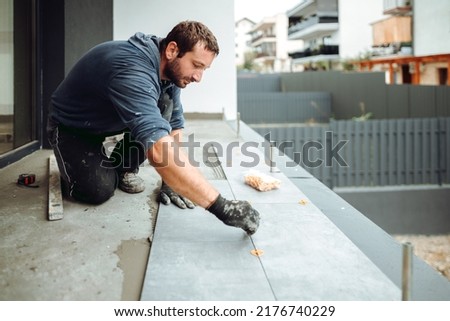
(433,249)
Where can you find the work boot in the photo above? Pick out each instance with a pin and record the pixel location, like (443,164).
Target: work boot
(129,182)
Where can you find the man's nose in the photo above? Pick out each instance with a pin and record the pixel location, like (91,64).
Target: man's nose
(197,75)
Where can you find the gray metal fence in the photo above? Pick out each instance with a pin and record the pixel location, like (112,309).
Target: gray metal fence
(253,82)
(276,107)
(369,153)
(355,93)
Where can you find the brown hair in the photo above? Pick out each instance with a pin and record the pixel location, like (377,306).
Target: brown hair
(187,34)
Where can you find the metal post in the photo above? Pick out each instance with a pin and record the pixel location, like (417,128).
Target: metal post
(407,271)
(271,151)
(238,119)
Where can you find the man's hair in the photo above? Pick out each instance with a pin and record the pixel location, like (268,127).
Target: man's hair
(187,34)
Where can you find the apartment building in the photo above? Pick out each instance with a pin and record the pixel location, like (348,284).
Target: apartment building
(332,30)
(271,45)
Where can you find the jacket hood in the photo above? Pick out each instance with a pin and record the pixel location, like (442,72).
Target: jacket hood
(149,44)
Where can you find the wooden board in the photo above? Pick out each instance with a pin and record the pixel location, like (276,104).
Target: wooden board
(55,201)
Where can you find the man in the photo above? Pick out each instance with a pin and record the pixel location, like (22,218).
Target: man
(133,87)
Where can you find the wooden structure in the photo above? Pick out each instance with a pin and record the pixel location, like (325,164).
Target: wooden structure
(395,29)
(416,61)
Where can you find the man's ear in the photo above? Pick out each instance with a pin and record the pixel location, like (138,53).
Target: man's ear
(171,50)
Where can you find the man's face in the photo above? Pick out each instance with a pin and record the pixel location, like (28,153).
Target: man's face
(190,67)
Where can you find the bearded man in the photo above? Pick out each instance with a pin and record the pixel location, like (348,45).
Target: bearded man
(133,88)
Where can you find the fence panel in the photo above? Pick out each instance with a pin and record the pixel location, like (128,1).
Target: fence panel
(443,101)
(422,101)
(354,93)
(247,83)
(444,150)
(263,107)
(375,153)
(305,145)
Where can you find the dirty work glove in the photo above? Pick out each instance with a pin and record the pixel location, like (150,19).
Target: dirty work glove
(167,196)
(236,213)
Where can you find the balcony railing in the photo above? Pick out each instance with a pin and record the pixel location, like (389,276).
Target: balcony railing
(310,22)
(397,6)
(322,50)
(261,36)
(266,54)
(394,29)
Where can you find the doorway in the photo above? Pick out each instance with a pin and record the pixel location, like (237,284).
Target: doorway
(442,76)
(17,74)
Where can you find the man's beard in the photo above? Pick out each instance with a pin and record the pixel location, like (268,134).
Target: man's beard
(172,71)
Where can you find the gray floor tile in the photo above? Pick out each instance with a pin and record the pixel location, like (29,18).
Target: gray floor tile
(306,257)
(205,271)
(195,256)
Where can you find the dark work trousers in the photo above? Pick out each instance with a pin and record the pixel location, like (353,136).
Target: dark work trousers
(88,175)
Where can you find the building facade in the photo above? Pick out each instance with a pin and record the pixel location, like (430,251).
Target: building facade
(410,44)
(242,39)
(271,45)
(331,31)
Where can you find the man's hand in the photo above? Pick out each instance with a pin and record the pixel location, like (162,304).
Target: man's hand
(236,213)
(167,196)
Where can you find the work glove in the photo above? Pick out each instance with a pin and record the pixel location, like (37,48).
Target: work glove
(167,196)
(236,213)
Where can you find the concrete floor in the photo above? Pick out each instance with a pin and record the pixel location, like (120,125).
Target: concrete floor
(94,253)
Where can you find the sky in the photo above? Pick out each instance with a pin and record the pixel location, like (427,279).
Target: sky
(256,10)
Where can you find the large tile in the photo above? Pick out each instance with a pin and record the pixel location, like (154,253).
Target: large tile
(195,256)
(202,271)
(306,257)
(193,225)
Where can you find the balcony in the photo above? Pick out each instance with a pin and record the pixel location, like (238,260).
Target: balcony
(257,40)
(313,27)
(396,29)
(322,50)
(313,19)
(397,7)
(266,54)
(322,240)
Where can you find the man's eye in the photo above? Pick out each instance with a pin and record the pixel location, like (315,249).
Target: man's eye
(199,66)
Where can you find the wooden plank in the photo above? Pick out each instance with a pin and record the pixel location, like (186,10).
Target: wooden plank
(55,202)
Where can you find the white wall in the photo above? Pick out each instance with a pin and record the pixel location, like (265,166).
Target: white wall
(431,31)
(242,28)
(355,31)
(217,90)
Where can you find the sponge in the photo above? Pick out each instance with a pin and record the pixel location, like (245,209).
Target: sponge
(260,181)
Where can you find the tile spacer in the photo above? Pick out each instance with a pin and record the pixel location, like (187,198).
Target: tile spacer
(257,252)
